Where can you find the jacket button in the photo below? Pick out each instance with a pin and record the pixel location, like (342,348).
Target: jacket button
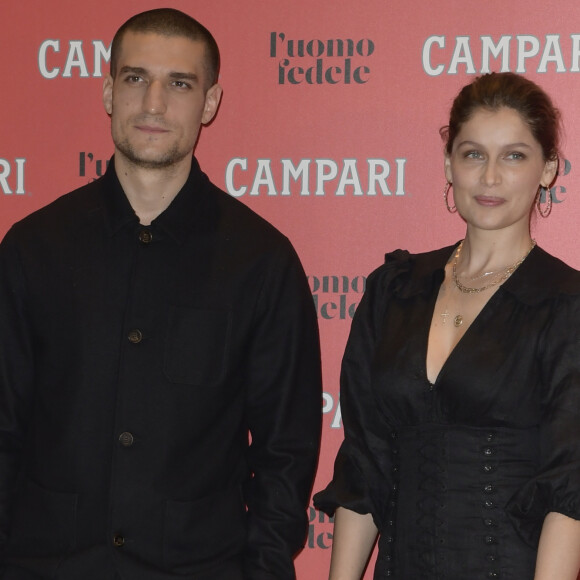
(489,488)
(490,540)
(145,236)
(118,541)
(135,336)
(126,439)
(488,503)
(488,451)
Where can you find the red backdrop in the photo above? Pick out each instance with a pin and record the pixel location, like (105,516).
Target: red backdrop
(328,128)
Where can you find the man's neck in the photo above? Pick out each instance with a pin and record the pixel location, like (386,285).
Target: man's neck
(151,191)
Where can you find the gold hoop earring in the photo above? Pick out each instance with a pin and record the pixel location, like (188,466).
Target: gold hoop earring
(450,208)
(544,192)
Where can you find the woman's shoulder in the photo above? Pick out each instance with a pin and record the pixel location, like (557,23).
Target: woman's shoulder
(543,276)
(407,273)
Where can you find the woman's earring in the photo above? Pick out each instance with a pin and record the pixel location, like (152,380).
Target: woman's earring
(544,192)
(450,208)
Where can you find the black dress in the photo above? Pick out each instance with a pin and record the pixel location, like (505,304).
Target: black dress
(460,474)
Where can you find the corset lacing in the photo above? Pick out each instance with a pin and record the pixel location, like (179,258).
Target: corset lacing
(429,523)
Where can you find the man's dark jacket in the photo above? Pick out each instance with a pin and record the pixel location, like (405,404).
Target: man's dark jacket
(134,362)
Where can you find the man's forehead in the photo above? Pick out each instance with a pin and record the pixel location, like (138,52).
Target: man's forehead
(157,47)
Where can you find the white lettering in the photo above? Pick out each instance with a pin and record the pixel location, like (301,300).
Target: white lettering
(328,406)
(349,176)
(432,71)
(400,176)
(101,53)
(575,53)
(6,170)
(4,173)
(243,163)
(488,47)
(263,177)
(347,173)
(544,52)
(47,74)
(322,176)
(289,171)
(379,179)
(552,53)
(524,53)
(75,58)
(20,176)
(461,55)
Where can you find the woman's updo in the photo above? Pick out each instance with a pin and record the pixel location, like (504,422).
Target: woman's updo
(496,90)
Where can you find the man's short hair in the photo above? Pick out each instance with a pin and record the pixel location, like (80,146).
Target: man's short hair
(170,22)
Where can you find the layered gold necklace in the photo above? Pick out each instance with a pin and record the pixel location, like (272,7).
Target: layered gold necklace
(501,275)
(498,277)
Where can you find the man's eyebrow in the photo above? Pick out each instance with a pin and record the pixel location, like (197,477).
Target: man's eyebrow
(183,75)
(175,75)
(133,69)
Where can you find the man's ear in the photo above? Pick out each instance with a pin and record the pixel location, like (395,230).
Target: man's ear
(108,94)
(212,102)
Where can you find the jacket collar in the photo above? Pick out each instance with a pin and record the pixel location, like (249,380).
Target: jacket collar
(188,208)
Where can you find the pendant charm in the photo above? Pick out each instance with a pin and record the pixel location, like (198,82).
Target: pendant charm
(458,321)
(444,315)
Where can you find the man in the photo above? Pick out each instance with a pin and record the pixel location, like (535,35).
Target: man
(150,325)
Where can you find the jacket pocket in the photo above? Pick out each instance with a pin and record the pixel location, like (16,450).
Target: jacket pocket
(196,345)
(44,521)
(204,531)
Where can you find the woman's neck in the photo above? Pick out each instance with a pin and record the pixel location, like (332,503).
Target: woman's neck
(486,251)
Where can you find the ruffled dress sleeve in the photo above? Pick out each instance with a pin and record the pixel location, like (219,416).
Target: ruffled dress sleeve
(556,485)
(362,469)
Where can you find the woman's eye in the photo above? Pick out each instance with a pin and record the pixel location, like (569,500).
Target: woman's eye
(472,155)
(516,156)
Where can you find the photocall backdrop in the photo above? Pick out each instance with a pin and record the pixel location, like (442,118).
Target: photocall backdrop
(328,128)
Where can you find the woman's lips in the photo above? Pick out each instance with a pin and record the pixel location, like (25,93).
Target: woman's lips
(489,201)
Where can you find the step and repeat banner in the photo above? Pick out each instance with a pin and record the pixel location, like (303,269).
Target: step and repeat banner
(328,128)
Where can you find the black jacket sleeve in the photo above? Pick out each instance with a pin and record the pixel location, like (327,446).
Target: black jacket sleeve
(284,418)
(16,378)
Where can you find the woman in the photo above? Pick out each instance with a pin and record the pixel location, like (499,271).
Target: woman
(460,385)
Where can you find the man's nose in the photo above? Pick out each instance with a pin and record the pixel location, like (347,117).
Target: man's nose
(154,100)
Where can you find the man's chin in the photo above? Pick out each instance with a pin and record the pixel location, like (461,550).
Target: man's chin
(152,160)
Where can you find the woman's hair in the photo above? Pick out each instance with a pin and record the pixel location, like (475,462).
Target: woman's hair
(496,90)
